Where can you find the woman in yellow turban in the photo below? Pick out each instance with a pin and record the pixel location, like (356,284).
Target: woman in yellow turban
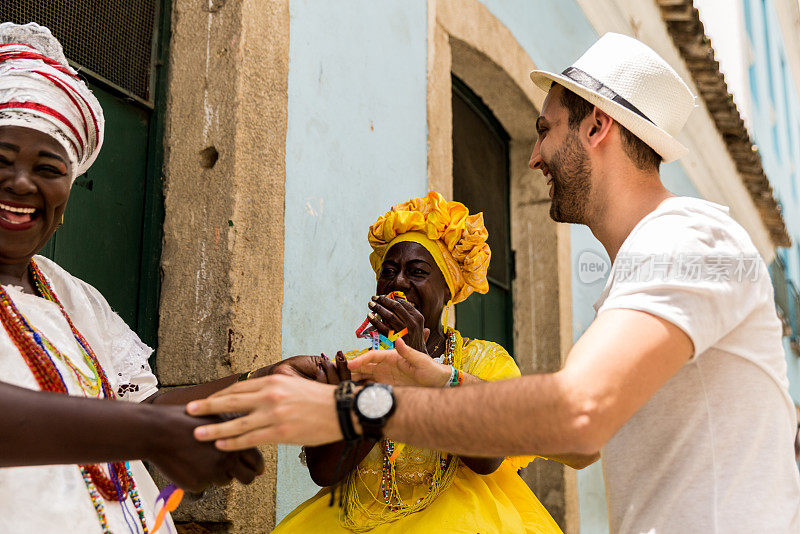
(435,253)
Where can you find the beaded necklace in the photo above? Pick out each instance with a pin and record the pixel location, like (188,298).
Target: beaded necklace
(36,351)
(389,489)
(450,348)
(391,495)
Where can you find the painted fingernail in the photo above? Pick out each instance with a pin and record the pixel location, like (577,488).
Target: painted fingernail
(372,304)
(372,315)
(375,298)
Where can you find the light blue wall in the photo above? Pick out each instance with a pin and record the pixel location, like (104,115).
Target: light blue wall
(356,143)
(775,106)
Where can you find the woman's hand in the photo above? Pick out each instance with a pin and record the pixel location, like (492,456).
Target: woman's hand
(301,366)
(317,368)
(404,366)
(280,409)
(388,314)
(194,465)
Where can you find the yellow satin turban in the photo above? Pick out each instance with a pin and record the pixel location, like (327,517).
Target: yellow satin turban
(455,239)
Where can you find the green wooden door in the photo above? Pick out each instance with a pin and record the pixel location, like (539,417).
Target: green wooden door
(101,240)
(481,182)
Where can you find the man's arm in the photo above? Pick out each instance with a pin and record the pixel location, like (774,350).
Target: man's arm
(624,357)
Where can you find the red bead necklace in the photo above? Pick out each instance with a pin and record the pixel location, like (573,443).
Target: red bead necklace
(32,349)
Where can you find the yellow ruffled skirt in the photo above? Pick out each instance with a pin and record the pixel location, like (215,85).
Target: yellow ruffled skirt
(500,503)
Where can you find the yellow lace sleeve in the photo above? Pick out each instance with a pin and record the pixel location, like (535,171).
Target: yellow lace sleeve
(491,362)
(488,361)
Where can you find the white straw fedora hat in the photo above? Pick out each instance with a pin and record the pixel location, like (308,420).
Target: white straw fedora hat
(634,85)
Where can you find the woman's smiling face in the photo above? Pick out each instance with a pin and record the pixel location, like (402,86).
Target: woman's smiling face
(410,268)
(35,181)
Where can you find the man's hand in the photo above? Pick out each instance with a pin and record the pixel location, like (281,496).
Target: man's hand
(279,409)
(401,367)
(194,465)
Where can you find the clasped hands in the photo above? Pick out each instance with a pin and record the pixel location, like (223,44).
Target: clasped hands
(295,403)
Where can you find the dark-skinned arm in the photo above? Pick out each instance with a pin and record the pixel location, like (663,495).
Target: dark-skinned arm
(323,461)
(576,461)
(390,314)
(302,366)
(43,428)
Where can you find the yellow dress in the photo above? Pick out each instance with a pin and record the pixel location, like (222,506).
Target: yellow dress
(436,492)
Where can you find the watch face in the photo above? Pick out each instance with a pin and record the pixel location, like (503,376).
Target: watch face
(374,402)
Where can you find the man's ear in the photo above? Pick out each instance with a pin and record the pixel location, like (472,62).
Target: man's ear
(599,125)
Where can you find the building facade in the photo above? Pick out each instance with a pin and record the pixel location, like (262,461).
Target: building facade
(274,132)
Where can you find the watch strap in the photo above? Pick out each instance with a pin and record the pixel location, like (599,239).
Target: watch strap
(371,429)
(344,405)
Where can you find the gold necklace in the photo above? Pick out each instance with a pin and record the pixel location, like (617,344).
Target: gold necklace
(436,347)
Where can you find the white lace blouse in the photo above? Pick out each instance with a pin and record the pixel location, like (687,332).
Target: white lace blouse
(45,499)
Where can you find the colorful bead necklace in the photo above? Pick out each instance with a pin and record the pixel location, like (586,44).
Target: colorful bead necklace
(391,496)
(37,354)
(388,487)
(99,506)
(450,348)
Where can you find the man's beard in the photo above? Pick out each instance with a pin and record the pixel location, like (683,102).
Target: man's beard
(571,173)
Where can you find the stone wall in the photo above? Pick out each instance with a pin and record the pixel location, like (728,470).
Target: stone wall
(224,176)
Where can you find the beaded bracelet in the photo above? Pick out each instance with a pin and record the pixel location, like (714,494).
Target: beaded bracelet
(456,378)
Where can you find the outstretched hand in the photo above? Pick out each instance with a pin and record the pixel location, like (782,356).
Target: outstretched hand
(278,408)
(403,366)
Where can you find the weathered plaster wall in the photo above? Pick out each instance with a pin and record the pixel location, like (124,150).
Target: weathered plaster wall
(356,144)
(223,231)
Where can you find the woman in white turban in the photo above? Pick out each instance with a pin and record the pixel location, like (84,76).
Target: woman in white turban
(68,452)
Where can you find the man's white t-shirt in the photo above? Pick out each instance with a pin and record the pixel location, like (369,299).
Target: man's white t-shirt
(712,450)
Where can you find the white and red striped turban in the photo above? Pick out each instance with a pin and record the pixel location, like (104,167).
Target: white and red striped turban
(39,90)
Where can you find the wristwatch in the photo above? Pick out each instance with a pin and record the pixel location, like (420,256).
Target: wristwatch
(373,406)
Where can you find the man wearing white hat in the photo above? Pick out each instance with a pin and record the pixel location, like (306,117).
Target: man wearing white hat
(680,382)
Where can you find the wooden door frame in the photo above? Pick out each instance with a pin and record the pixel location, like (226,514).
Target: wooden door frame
(153,220)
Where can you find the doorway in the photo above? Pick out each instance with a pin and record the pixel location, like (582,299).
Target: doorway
(481,182)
